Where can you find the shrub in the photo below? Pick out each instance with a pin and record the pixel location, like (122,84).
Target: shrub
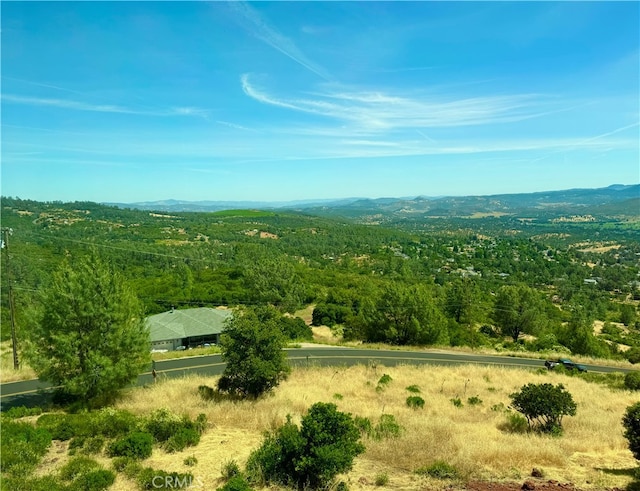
(544,405)
(86,445)
(632,380)
(385,379)
(43,483)
(311,456)
(440,470)
(382,479)
(364,425)
(633,355)
(190,461)
(137,445)
(162,424)
(631,423)
(97,480)
(415,402)
(230,469)
(387,427)
(338,397)
(120,463)
(457,402)
(515,423)
(236,483)
(474,401)
(414,389)
(206,392)
(21,412)
(113,423)
(76,467)
(22,446)
(182,438)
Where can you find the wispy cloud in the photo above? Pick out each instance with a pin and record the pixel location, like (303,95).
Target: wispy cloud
(234,126)
(377,110)
(103,108)
(258,26)
(591,141)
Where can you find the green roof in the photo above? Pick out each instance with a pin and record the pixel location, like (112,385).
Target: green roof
(177,324)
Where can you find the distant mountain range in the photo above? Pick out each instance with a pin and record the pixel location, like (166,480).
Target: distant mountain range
(618,199)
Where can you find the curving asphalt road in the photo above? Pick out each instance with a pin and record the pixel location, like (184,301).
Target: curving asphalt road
(36,392)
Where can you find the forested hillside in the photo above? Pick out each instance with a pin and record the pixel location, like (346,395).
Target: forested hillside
(502,281)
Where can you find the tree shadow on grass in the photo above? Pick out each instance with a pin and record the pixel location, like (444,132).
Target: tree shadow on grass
(633,472)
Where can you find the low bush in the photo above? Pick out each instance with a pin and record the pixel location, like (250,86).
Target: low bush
(22,447)
(414,389)
(457,402)
(440,470)
(137,445)
(182,438)
(43,483)
(385,379)
(207,393)
(174,431)
(474,401)
(120,463)
(415,402)
(76,467)
(86,445)
(633,355)
(97,480)
(113,423)
(236,483)
(387,427)
(364,425)
(308,457)
(515,423)
(230,469)
(381,479)
(162,424)
(190,461)
(21,412)
(632,380)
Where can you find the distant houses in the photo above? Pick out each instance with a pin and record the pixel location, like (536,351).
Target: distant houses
(186,328)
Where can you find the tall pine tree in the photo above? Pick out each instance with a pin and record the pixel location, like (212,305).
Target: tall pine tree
(91,339)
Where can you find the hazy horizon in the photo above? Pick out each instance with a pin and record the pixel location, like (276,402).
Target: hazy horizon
(286,101)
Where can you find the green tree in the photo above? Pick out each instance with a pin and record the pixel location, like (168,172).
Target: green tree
(461,301)
(631,423)
(252,346)
(405,314)
(627,314)
(91,339)
(518,310)
(544,405)
(310,457)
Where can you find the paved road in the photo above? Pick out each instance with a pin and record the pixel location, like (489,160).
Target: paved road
(36,392)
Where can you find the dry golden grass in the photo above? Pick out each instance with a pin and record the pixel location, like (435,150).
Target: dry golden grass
(468,437)
(7,372)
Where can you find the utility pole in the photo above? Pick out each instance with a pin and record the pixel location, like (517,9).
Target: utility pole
(14,341)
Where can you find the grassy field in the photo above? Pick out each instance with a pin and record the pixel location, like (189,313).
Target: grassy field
(593,454)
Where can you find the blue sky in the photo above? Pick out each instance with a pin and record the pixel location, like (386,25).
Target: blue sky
(135,101)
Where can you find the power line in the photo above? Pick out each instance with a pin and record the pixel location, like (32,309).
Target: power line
(14,340)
